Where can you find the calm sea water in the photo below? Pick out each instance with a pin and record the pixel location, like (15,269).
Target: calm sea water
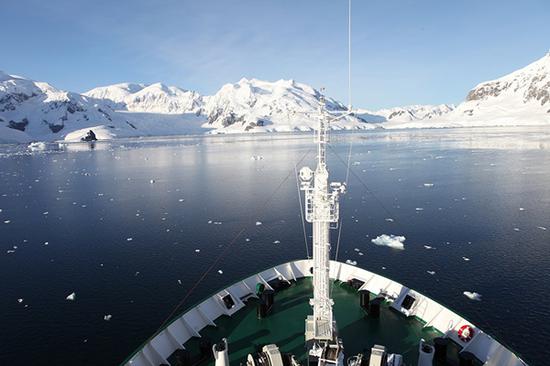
(120,225)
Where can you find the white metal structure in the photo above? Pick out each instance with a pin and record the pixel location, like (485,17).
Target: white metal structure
(321,210)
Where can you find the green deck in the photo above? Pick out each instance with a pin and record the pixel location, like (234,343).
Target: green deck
(245,333)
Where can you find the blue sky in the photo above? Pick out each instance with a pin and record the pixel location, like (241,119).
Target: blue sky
(405,51)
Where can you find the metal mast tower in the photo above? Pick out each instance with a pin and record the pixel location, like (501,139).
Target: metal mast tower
(322,210)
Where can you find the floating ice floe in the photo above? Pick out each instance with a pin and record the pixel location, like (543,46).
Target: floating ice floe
(541,227)
(20,300)
(179,282)
(220,271)
(129,239)
(181,200)
(10,251)
(71,297)
(472,295)
(247,240)
(392,241)
(46,243)
(428,185)
(197,250)
(209,221)
(353,263)
(521,209)
(37,146)
(428,247)
(466,259)
(258,223)
(277,242)
(389,220)
(217,222)
(419,209)
(431,272)
(7,221)
(107,317)
(516,229)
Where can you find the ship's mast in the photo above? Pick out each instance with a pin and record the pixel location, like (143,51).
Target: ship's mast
(322,210)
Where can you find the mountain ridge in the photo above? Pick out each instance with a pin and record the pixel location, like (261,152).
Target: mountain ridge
(35,110)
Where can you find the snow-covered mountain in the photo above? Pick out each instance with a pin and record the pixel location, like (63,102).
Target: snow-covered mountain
(407,113)
(519,98)
(153,98)
(31,108)
(260,106)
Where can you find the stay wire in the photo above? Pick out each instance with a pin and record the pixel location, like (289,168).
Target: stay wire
(302,212)
(224,251)
(369,191)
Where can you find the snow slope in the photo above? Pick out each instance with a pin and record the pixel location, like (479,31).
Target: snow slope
(253,105)
(154,98)
(519,98)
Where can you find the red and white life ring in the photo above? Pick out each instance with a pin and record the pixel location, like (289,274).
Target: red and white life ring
(466,333)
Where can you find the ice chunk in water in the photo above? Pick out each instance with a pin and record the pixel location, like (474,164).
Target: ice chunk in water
(107,317)
(71,297)
(392,241)
(353,263)
(472,295)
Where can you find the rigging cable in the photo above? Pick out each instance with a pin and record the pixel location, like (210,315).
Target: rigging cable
(384,208)
(349,111)
(224,251)
(302,211)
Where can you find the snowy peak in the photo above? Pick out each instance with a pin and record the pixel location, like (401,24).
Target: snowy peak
(257,105)
(152,98)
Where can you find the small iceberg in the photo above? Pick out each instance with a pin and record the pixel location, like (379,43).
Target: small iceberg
(107,317)
(428,247)
(466,259)
(428,185)
(37,146)
(431,272)
(472,295)
(353,263)
(71,297)
(392,241)
(258,223)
